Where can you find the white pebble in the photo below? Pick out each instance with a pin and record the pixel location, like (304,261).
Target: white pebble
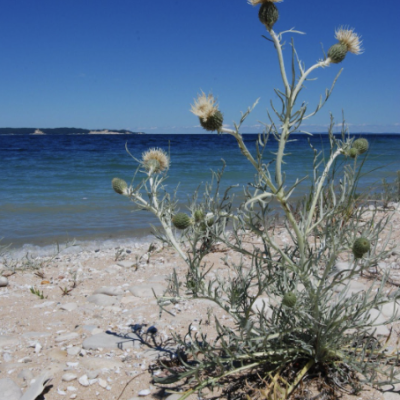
(72,364)
(68,377)
(144,392)
(102,383)
(83,380)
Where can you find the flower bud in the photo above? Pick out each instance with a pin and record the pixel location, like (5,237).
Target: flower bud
(119,185)
(353,152)
(181,221)
(198,215)
(361,246)
(289,299)
(361,145)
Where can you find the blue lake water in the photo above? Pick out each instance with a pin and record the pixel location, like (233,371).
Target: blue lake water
(58,187)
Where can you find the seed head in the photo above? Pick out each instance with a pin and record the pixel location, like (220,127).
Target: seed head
(156,160)
(350,39)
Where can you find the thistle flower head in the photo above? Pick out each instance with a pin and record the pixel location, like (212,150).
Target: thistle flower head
(255,2)
(155,160)
(351,40)
(204,106)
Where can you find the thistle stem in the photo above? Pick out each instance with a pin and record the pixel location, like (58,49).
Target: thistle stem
(318,190)
(299,85)
(278,48)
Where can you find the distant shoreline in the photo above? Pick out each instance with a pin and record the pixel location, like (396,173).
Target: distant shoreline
(66,131)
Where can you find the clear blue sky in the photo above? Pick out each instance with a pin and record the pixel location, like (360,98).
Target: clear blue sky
(130,64)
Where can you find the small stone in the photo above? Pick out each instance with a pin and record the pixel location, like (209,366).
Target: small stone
(92,374)
(83,380)
(38,347)
(145,290)
(68,377)
(25,360)
(67,337)
(126,264)
(72,364)
(74,351)
(9,389)
(3,281)
(102,383)
(144,392)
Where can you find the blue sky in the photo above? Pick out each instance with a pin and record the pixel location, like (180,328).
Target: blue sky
(130,64)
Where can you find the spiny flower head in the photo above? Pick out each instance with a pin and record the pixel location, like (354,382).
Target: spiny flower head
(350,39)
(255,2)
(204,106)
(155,160)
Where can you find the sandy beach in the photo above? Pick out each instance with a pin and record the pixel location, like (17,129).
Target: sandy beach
(98,322)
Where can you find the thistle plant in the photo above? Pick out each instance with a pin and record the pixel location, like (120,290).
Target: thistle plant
(294,313)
